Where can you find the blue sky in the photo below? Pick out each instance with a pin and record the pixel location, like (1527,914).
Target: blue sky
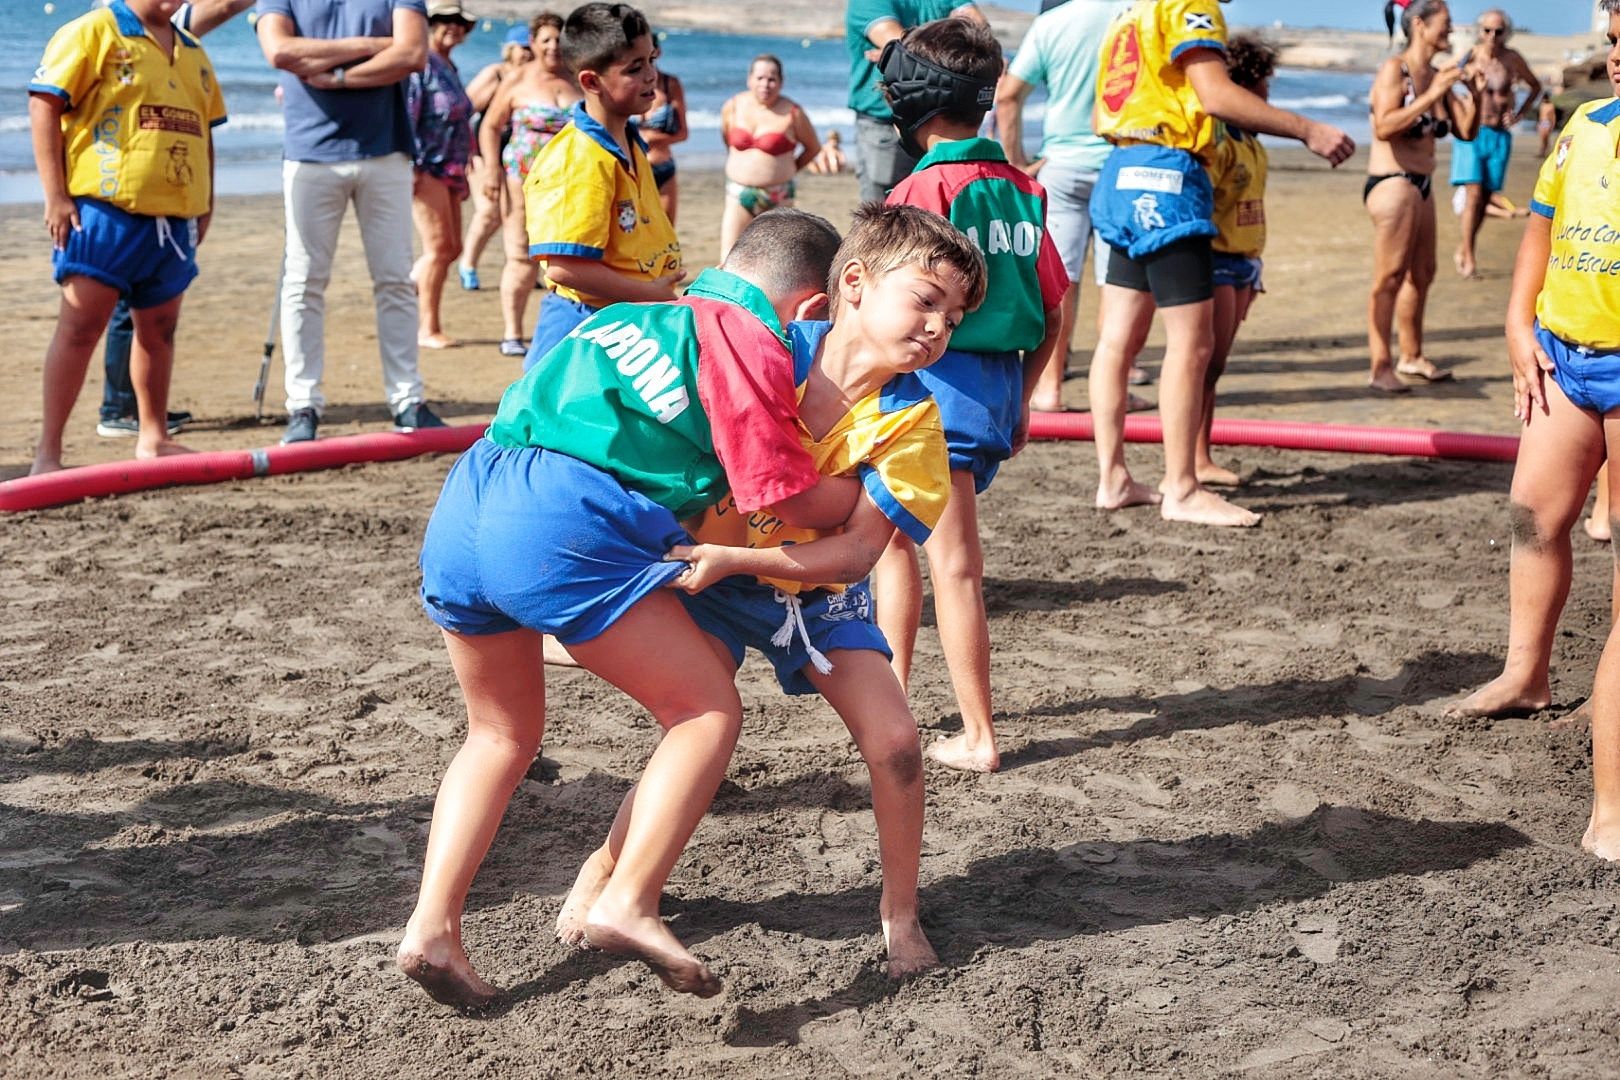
(1548,16)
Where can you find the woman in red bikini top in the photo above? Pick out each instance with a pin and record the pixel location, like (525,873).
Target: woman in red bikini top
(769,139)
(1413,104)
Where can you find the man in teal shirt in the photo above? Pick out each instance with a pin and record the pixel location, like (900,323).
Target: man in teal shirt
(880,161)
(1059,52)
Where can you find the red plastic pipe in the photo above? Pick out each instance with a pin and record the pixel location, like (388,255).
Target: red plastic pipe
(1292,435)
(123,477)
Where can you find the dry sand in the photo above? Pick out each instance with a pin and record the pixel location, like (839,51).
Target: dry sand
(1234,832)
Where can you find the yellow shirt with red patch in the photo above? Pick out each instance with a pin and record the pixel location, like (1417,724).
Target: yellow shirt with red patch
(1238,174)
(1143,95)
(1579,190)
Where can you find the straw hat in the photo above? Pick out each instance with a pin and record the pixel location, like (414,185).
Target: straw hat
(449,9)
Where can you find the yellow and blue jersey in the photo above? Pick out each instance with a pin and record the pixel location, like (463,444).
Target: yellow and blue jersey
(136,126)
(1143,95)
(584,199)
(1238,173)
(892,439)
(1576,190)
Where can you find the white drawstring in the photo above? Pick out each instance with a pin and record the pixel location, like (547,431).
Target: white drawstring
(165,235)
(795,621)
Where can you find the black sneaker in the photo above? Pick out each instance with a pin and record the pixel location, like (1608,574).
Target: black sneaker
(416,418)
(123,427)
(301,426)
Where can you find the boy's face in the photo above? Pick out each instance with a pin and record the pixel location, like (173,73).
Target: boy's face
(1614,54)
(154,11)
(908,313)
(629,84)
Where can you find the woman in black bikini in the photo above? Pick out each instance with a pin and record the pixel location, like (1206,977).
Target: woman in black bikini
(1413,104)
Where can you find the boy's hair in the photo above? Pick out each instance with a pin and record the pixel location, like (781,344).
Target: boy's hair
(1609,7)
(962,47)
(1250,60)
(595,35)
(785,251)
(885,238)
(545,18)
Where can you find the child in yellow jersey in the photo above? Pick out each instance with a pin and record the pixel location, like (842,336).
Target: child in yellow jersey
(1161,86)
(901,282)
(1238,174)
(121,109)
(590,199)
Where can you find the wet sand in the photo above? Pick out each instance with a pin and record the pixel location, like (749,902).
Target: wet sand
(1234,831)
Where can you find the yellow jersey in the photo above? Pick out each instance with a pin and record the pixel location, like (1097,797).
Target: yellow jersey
(1143,95)
(136,129)
(1579,190)
(1238,174)
(582,198)
(892,439)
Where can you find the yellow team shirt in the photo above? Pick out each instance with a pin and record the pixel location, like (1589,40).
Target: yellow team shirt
(1143,95)
(582,198)
(1579,189)
(136,130)
(892,439)
(1238,174)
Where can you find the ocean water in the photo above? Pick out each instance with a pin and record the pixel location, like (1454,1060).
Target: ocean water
(711,66)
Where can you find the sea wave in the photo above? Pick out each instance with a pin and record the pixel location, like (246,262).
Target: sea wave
(1320,101)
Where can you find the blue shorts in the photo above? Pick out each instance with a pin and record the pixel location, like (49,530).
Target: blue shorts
(530,537)
(981,400)
(1238,271)
(743,614)
(147,262)
(1483,161)
(1149,197)
(1588,377)
(557,318)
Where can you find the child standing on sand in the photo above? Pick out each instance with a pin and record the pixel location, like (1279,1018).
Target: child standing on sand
(940,80)
(121,110)
(902,279)
(590,199)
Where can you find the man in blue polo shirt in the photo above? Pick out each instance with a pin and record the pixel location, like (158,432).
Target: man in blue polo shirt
(348,138)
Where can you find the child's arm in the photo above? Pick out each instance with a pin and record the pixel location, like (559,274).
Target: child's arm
(594,278)
(825,506)
(406,52)
(1226,100)
(288,51)
(1530,363)
(1035,362)
(832,560)
(45,123)
(208,15)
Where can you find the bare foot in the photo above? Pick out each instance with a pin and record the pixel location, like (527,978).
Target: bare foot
(1501,698)
(1604,843)
(909,951)
(1137,376)
(1204,507)
(1597,528)
(1132,494)
(588,885)
(448,978)
(43,465)
(436,341)
(1387,381)
(1577,719)
(163,448)
(1044,405)
(955,753)
(1464,264)
(647,939)
(1138,403)
(1213,475)
(556,653)
(1422,368)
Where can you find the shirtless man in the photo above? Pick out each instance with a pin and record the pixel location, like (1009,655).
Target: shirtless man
(1480,167)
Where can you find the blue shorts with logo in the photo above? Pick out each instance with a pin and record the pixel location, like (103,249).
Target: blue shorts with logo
(743,614)
(1590,378)
(149,260)
(1149,197)
(1238,271)
(530,537)
(981,400)
(557,318)
(1484,161)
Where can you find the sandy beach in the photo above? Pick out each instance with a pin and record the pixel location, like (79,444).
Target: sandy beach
(1234,832)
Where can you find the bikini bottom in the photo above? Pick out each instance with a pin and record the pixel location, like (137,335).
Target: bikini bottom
(1417,180)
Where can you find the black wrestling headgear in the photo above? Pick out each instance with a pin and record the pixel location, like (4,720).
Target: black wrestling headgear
(917,91)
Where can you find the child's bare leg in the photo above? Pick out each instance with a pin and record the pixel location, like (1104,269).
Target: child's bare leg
(873,707)
(81,318)
(151,365)
(658,656)
(1048,395)
(1189,332)
(1226,324)
(1603,831)
(1123,321)
(503,682)
(1597,524)
(897,591)
(956,567)
(1559,454)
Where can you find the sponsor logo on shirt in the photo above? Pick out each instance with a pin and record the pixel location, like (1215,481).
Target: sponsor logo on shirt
(169,118)
(108,146)
(654,378)
(1251,212)
(1563,151)
(1120,72)
(1144,178)
(626,212)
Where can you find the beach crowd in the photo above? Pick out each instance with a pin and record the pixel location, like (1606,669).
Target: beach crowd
(750,458)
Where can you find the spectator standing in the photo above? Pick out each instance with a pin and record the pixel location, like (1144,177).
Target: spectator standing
(662,126)
(348,139)
(1479,165)
(487,215)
